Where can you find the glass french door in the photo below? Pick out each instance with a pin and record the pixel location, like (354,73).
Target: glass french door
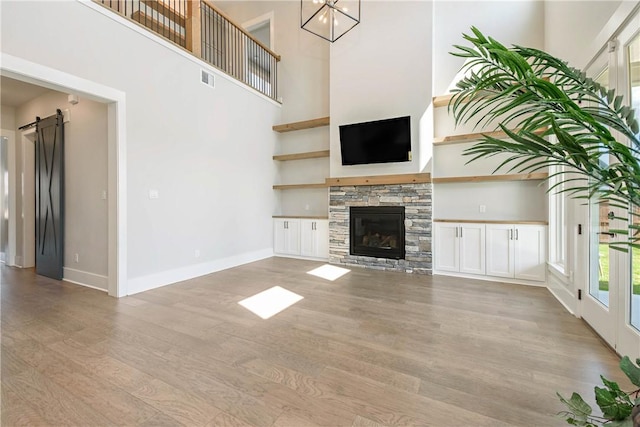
(597,307)
(612,304)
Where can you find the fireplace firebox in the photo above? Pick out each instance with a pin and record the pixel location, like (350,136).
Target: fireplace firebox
(377,231)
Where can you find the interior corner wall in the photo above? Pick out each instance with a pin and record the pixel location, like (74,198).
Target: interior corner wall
(510,22)
(303,72)
(572,26)
(205,152)
(7,118)
(85,145)
(382,69)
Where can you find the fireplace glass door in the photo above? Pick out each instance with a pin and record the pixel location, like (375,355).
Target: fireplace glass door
(377,231)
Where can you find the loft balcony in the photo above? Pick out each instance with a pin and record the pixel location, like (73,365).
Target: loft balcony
(206,32)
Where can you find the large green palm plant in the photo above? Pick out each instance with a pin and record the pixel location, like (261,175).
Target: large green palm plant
(554,116)
(534,96)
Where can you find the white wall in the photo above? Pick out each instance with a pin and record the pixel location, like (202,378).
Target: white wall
(303,72)
(510,22)
(571,27)
(382,69)
(7,118)
(206,151)
(303,76)
(85,180)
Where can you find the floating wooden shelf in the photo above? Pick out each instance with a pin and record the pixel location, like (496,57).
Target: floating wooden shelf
(298,186)
(443,100)
(301,216)
(412,178)
(458,139)
(301,156)
(306,124)
(497,221)
(535,176)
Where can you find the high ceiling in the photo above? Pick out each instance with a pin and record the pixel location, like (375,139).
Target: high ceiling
(14,93)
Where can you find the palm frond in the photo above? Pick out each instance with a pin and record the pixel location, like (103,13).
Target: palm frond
(525,90)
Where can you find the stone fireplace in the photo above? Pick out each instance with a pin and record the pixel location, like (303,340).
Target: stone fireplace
(414,198)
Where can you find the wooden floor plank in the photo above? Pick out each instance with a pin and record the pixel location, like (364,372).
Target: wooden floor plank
(368,349)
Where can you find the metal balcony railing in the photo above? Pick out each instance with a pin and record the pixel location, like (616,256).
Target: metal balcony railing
(204,30)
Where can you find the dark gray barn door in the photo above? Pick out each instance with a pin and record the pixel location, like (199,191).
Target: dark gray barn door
(50,196)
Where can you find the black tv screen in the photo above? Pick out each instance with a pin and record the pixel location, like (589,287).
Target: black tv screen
(380,141)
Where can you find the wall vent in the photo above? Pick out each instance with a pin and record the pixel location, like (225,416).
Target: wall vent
(207,78)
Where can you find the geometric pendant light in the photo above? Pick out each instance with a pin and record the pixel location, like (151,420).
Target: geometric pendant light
(329,19)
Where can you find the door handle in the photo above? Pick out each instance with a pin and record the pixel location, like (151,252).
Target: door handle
(607,233)
(456,232)
(461,232)
(510,234)
(516,234)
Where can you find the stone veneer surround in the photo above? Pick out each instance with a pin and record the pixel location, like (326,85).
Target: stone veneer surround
(416,198)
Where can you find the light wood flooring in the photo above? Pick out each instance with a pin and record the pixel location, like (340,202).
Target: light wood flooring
(371,348)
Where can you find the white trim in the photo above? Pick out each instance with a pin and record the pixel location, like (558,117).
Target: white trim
(558,296)
(485,278)
(254,23)
(103,10)
(11,254)
(558,270)
(157,280)
(27,140)
(618,20)
(30,72)
(84,278)
(309,258)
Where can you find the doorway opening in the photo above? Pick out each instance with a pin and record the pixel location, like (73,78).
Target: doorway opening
(113,193)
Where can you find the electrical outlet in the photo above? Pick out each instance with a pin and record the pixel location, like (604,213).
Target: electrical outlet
(76,257)
(104,195)
(306,207)
(197,253)
(154,194)
(483,208)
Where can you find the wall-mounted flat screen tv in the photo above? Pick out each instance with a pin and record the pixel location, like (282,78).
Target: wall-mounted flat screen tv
(380,141)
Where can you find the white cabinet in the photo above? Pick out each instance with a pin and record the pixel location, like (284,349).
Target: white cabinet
(301,237)
(516,251)
(460,247)
(286,236)
(314,238)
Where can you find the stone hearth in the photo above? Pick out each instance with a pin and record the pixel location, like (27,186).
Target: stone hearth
(416,198)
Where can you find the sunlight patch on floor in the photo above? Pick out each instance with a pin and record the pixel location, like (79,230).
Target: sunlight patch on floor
(270,302)
(329,272)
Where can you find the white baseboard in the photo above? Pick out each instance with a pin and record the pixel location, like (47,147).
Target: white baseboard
(152,281)
(560,288)
(83,278)
(490,278)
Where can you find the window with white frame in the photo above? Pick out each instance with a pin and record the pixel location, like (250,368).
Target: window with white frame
(557,219)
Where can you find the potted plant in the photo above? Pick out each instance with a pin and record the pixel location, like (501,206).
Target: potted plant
(553,115)
(616,405)
(536,95)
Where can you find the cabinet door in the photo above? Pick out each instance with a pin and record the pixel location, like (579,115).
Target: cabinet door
(314,238)
(446,252)
(472,248)
(530,252)
(286,236)
(500,262)
(292,237)
(279,239)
